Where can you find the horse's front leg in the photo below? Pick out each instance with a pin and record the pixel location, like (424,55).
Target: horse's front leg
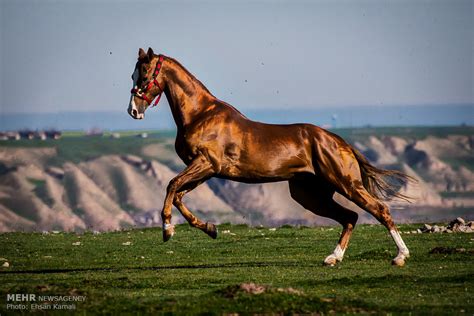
(207,227)
(199,169)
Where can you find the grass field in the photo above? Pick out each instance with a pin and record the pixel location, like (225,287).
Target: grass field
(135,272)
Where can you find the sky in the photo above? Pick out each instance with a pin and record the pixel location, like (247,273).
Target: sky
(69,55)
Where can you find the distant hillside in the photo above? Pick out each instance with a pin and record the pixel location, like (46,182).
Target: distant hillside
(103,183)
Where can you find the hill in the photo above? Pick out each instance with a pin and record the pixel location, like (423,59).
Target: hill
(102,183)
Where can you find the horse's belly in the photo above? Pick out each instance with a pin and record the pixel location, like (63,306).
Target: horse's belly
(266,170)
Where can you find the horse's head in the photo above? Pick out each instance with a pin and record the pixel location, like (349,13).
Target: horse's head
(146,86)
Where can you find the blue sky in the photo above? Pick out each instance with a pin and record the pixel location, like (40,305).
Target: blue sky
(79,55)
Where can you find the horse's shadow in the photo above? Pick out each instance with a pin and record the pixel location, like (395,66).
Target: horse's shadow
(168,267)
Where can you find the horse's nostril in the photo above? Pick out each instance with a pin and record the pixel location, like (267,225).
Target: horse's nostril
(134,113)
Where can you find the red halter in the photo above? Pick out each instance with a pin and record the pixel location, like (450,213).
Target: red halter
(140,93)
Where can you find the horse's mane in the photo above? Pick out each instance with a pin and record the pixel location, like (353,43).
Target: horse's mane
(196,80)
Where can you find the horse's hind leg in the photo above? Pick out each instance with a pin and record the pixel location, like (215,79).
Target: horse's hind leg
(317,198)
(342,170)
(381,212)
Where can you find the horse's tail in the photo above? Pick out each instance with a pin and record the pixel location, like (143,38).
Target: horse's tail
(380,183)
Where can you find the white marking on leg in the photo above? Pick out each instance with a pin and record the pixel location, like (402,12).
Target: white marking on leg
(339,252)
(402,248)
(168,231)
(336,256)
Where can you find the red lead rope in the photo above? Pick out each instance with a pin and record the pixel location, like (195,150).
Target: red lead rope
(159,94)
(157,99)
(141,93)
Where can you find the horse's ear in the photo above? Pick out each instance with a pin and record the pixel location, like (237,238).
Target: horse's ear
(141,54)
(150,53)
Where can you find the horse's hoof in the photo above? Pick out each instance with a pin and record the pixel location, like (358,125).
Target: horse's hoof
(330,260)
(211,230)
(398,261)
(168,233)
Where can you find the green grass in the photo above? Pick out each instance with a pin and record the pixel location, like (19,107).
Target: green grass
(194,274)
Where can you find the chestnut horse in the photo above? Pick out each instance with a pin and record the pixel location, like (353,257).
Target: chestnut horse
(216,140)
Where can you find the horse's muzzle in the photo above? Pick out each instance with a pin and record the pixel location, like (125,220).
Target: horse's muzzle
(134,113)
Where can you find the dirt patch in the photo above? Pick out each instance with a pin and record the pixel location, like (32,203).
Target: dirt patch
(256,289)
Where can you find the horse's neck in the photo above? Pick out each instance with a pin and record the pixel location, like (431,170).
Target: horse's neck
(186,96)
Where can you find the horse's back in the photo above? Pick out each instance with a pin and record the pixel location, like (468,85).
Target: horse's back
(253,150)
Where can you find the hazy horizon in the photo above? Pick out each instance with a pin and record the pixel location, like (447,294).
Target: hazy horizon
(161,118)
